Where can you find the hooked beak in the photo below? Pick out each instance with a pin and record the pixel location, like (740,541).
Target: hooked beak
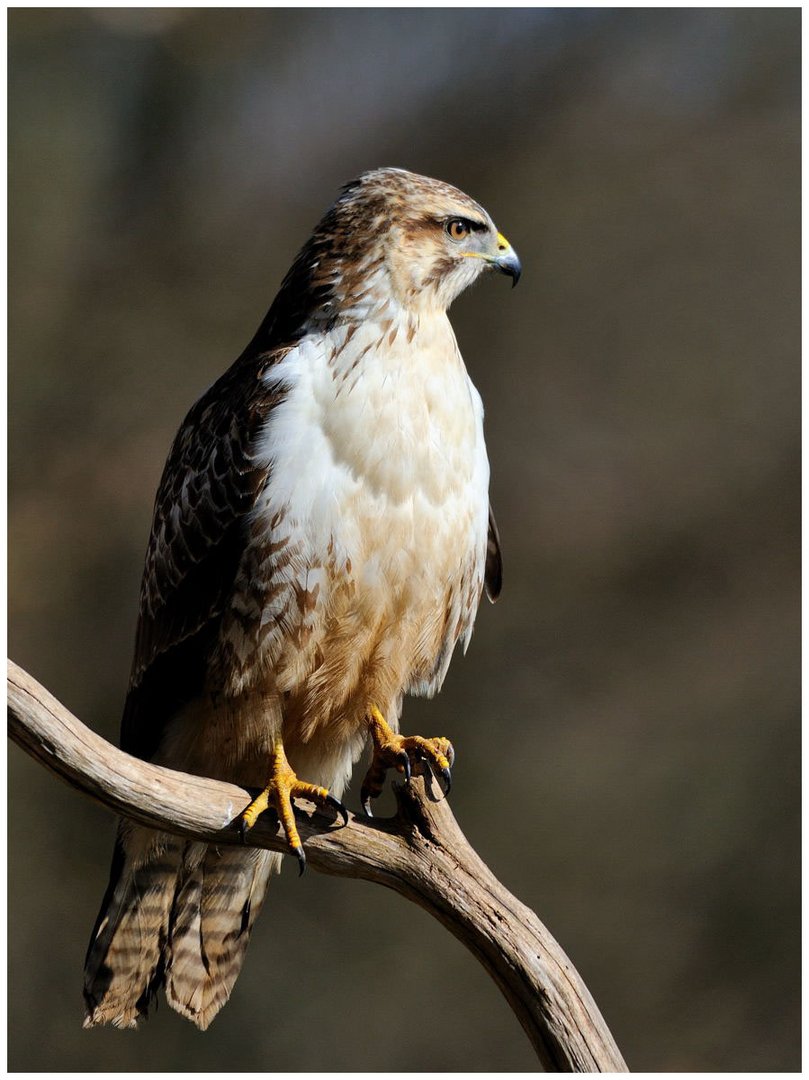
(506,260)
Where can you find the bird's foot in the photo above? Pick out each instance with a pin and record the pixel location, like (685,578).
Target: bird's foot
(406,753)
(283,787)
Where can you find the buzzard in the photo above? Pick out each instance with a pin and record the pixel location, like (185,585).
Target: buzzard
(320,541)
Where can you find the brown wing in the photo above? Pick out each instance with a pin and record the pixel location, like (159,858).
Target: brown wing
(209,484)
(494,561)
(210,481)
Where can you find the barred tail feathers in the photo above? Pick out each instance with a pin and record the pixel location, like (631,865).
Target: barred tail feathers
(177,913)
(216,906)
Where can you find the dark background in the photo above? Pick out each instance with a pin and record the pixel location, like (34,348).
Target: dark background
(627,718)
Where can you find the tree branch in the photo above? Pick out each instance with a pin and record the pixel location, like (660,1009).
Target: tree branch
(421,854)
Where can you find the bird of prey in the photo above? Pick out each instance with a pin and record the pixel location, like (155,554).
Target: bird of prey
(321,538)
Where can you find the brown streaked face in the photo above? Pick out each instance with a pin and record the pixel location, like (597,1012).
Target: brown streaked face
(433,239)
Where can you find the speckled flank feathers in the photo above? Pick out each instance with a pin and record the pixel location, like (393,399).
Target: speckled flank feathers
(320,541)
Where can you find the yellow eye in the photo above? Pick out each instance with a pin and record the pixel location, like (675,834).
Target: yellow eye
(457,229)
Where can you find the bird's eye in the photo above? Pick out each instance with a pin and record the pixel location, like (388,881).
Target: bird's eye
(457,229)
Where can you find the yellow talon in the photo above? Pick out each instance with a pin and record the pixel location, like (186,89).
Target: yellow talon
(402,753)
(255,809)
(283,787)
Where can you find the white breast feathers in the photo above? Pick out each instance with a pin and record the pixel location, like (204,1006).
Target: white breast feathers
(377,476)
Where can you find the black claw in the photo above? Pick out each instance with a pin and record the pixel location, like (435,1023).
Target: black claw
(299,853)
(331,800)
(244,829)
(451,755)
(446,776)
(406,766)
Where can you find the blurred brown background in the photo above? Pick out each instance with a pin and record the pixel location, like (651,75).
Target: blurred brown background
(627,717)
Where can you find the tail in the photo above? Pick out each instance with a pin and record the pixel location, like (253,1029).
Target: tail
(176,913)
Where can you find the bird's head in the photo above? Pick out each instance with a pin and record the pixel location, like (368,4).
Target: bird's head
(391,235)
(434,240)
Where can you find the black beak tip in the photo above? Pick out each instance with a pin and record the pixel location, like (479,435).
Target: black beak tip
(511,266)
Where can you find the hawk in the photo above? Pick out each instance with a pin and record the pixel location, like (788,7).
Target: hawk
(320,541)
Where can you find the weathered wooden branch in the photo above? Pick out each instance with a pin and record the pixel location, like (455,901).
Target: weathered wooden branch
(421,854)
